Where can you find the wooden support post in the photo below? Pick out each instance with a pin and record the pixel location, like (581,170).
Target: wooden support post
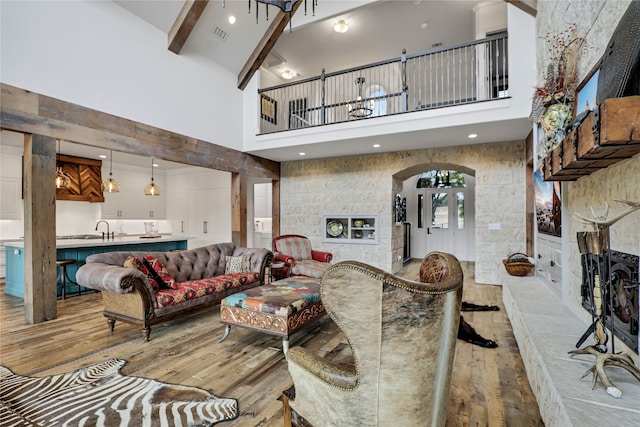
(239,209)
(39,228)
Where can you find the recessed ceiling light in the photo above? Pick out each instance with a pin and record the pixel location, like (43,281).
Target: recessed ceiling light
(473,135)
(232,19)
(341,26)
(288,74)
(155,165)
(424,25)
(302,154)
(102,156)
(376,145)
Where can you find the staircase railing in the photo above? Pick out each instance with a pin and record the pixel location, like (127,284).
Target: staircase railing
(470,72)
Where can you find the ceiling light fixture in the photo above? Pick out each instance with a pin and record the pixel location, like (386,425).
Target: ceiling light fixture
(341,26)
(376,145)
(360,107)
(111,185)
(232,19)
(473,135)
(284,5)
(302,154)
(62,180)
(288,74)
(151,189)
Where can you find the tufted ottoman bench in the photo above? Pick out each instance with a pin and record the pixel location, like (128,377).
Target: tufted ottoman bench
(279,308)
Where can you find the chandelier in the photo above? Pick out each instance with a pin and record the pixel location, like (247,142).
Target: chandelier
(360,107)
(284,5)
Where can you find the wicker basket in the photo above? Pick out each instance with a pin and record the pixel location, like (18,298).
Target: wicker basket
(518,268)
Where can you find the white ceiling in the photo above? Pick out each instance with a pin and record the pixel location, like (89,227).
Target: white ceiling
(378,30)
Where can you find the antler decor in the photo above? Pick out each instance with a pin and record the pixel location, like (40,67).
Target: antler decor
(603,360)
(601,220)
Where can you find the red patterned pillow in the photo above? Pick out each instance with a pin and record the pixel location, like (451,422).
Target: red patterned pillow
(133,262)
(158,268)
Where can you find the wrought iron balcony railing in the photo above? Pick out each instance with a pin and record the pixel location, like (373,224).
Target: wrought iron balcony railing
(466,73)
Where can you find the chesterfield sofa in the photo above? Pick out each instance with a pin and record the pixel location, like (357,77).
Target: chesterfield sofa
(147,288)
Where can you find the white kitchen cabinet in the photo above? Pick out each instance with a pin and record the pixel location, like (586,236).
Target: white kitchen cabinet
(200,205)
(10,191)
(209,216)
(131,202)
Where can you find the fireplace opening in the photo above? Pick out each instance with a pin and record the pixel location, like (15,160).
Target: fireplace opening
(619,292)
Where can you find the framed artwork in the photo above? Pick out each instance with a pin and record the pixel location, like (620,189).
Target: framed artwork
(586,94)
(548,205)
(268,109)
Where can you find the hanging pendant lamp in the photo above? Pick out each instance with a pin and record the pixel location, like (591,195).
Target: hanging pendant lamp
(111,185)
(152,189)
(62,180)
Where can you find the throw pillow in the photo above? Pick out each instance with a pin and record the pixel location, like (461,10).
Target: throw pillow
(161,271)
(133,262)
(237,264)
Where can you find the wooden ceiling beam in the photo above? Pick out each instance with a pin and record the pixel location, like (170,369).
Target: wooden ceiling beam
(31,113)
(265,45)
(184,23)
(528,6)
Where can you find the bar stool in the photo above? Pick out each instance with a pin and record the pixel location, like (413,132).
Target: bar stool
(62,269)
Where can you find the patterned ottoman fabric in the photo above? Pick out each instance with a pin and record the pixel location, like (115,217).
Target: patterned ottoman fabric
(281,298)
(197,288)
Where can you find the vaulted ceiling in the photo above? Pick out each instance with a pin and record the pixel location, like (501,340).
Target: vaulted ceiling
(378,30)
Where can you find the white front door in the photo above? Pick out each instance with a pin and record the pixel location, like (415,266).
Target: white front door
(448,222)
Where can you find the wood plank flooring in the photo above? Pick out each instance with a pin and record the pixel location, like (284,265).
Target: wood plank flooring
(489,386)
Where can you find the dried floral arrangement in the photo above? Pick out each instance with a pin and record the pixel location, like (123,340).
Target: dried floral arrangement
(552,105)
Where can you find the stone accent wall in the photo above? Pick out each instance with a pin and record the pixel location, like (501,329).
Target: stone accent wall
(366,185)
(596,20)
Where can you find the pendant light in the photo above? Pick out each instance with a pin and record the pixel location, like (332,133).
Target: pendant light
(152,189)
(111,185)
(62,180)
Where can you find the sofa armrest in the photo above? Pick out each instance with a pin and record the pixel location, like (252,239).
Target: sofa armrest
(323,369)
(321,256)
(288,260)
(112,278)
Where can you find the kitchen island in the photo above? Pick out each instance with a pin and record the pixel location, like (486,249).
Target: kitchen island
(79,250)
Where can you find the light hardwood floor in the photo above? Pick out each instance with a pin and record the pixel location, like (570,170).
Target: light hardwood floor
(489,386)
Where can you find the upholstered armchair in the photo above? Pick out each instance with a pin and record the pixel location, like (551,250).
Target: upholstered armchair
(298,257)
(402,335)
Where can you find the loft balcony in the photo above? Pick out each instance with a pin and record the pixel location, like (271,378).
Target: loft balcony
(467,73)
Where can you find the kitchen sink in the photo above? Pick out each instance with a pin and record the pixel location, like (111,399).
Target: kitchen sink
(80,236)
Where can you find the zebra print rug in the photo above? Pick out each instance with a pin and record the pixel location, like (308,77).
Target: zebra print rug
(100,396)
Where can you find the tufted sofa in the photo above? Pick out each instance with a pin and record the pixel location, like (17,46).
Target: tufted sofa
(198,278)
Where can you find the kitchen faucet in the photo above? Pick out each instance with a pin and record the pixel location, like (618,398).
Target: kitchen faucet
(103,231)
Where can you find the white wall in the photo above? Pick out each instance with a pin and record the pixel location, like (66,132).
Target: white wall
(97,54)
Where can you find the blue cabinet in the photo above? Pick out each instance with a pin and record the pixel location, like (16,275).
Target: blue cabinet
(15,261)
(14,257)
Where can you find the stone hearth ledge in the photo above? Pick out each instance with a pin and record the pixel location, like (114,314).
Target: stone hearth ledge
(546,330)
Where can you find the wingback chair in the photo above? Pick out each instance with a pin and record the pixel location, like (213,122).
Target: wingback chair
(299,259)
(402,335)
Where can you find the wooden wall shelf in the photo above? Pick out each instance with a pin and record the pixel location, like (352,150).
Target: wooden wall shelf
(606,136)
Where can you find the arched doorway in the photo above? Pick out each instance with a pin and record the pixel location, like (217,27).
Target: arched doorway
(441,211)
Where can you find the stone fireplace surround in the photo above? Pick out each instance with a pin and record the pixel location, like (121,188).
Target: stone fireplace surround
(546,329)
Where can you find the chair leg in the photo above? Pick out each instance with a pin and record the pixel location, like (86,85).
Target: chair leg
(145,333)
(112,324)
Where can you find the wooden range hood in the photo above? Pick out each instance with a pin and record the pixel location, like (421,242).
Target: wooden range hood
(86,179)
